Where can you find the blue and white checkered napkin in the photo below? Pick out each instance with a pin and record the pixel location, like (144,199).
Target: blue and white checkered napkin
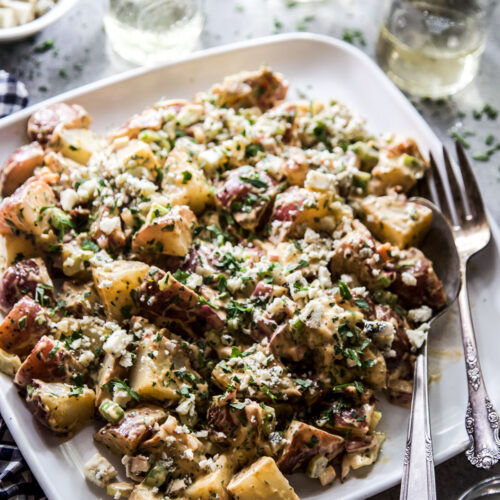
(13,94)
(16,480)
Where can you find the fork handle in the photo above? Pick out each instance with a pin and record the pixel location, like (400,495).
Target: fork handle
(481,419)
(418,464)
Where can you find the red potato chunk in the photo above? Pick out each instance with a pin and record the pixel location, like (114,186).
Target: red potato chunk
(355,421)
(110,369)
(134,428)
(304,442)
(262,88)
(23,327)
(296,167)
(49,361)
(358,444)
(428,288)
(355,253)
(148,119)
(240,424)
(288,344)
(44,122)
(62,408)
(26,210)
(163,298)
(19,167)
(27,277)
(168,234)
(247,194)
(297,206)
(108,232)
(178,442)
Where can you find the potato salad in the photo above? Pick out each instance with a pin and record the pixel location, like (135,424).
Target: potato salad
(224,285)
(17,12)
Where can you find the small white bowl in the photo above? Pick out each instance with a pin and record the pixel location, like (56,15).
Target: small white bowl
(25,30)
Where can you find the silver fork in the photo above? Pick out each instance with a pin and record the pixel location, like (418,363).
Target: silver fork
(467,217)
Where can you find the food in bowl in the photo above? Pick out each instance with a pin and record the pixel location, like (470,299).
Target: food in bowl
(16,12)
(224,284)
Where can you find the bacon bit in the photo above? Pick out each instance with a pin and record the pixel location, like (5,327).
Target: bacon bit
(48,176)
(383,251)
(407,146)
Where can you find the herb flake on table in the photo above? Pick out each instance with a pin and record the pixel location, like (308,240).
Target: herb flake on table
(44,46)
(460,139)
(278,25)
(354,37)
(488,110)
(487,154)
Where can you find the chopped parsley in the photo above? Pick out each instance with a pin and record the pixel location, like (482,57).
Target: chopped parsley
(120,384)
(362,303)
(255,182)
(353,37)
(252,150)
(89,245)
(344,291)
(22,322)
(186,176)
(45,46)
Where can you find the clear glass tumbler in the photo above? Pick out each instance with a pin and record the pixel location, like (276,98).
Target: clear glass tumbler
(149,32)
(433,48)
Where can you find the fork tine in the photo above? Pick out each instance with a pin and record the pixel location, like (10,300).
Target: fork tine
(456,191)
(474,199)
(442,200)
(425,186)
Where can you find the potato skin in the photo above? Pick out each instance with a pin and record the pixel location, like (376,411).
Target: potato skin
(44,363)
(43,122)
(136,426)
(21,279)
(60,407)
(21,329)
(169,234)
(296,206)
(173,301)
(262,88)
(428,289)
(149,119)
(306,441)
(19,167)
(25,211)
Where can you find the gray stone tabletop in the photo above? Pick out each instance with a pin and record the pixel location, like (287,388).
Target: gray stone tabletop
(75,51)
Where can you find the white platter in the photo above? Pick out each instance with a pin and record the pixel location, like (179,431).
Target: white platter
(326,69)
(8,35)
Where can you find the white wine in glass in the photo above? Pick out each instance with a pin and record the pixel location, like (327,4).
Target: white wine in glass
(149,32)
(433,49)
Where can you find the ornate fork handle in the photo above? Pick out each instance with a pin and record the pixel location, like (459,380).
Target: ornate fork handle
(418,465)
(481,419)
